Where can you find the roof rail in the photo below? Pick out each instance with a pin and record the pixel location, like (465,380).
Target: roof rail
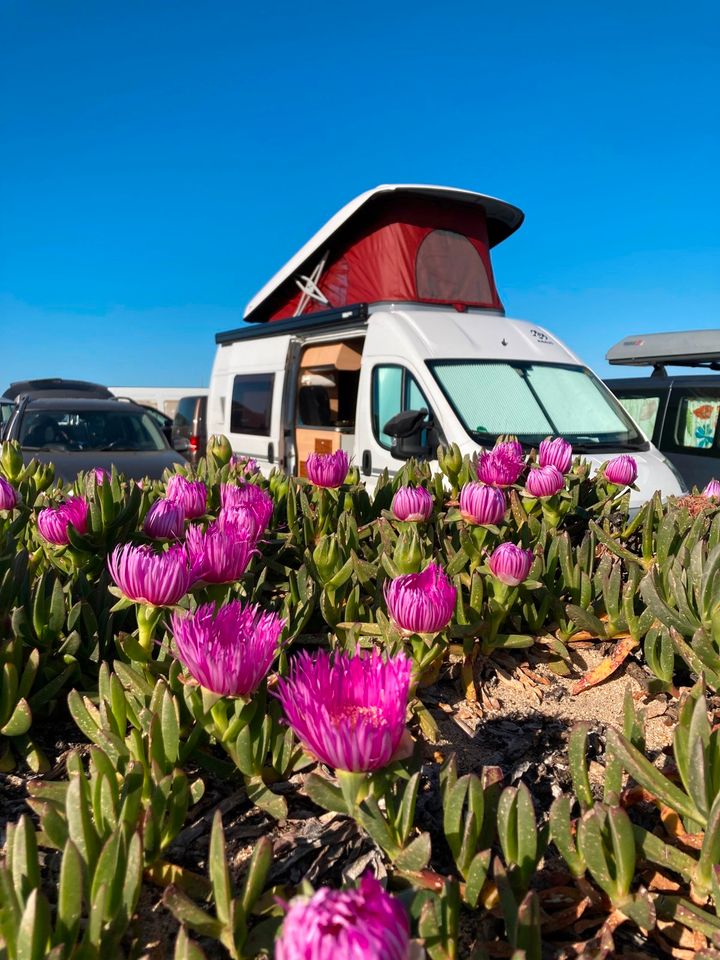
(687,348)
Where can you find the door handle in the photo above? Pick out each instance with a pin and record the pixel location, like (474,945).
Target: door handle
(367,463)
(271,452)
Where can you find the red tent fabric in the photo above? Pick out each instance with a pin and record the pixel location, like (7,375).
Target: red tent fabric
(417,249)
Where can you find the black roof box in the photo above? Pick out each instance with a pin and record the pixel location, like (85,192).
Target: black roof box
(57,387)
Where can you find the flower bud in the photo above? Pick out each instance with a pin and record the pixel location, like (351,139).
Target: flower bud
(712,490)
(218,447)
(622,470)
(544,481)
(555,453)
(165,520)
(12,460)
(327,558)
(482,504)
(412,503)
(510,564)
(8,495)
(407,555)
(451,460)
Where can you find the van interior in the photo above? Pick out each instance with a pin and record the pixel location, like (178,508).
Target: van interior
(326,395)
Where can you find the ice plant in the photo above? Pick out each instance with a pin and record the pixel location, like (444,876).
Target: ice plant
(622,470)
(482,504)
(247,507)
(502,465)
(228,651)
(348,711)
(165,520)
(101,475)
(362,924)
(712,490)
(327,469)
(218,554)
(421,602)
(145,575)
(412,503)
(555,453)
(544,481)
(8,495)
(190,494)
(246,465)
(53,522)
(510,564)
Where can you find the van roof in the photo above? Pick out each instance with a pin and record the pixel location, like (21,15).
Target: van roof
(687,348)
(502,220)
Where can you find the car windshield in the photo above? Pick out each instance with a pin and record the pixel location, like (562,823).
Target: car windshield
(533,401)
(76,430)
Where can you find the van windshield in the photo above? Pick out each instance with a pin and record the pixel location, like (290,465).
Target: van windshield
(533,401)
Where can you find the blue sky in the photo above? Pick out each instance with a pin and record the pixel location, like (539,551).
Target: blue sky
(159,161)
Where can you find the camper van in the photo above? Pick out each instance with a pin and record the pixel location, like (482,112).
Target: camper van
(680,414)
(385,336)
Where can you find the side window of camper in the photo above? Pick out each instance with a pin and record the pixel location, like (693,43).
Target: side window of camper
(695,420)
(252,404)
(644,408)
(394,390)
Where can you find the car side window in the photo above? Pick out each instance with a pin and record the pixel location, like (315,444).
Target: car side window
(252,404)
(696,419)
(644,409)
(394,390)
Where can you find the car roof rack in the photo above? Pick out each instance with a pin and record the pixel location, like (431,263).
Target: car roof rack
(686,348)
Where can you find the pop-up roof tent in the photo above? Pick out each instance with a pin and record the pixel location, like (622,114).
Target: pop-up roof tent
(399,243)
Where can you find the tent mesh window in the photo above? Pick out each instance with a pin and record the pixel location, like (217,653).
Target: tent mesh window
(449,268)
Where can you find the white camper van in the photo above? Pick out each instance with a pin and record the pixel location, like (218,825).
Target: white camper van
(391,308)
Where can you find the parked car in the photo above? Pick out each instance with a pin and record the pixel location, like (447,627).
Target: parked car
(679,414)
(392,308)
(189,433)
(76,434)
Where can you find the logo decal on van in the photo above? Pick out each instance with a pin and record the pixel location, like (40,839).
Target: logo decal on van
(541,336)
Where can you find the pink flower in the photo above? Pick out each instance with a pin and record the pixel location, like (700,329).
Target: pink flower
(101,475)
(555,453)
(246,465)
(348,711)
(362,924)
(501,466)
(510,564)
(482,504)
(712,490)
(421,602)
(218,555)
(327,469)
(622,470)
(412,503)
(190,494)
(165,520)
(246,507)
(544,481)
(8,495)
(145,576)
(53,522)
(228,651)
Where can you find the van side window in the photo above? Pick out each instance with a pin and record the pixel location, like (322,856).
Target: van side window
(252,404)
(697,419)
(394,390)
(644,409)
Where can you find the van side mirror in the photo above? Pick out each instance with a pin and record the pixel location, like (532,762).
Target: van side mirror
(413,433)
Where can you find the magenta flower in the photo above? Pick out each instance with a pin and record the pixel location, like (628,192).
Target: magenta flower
(8,495)
(228,651)
(544,481)
(145,576)
(218,555)
(412,503)
(101,475)
(165,520)
(482,504)
(421,602)
(510,564)
(362,924)
(53,522)
(501,466)
(348,711)
(246,507)
(555,453)
(622,470)
(190,494)
(327,469)
(245,465)
(712,490)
